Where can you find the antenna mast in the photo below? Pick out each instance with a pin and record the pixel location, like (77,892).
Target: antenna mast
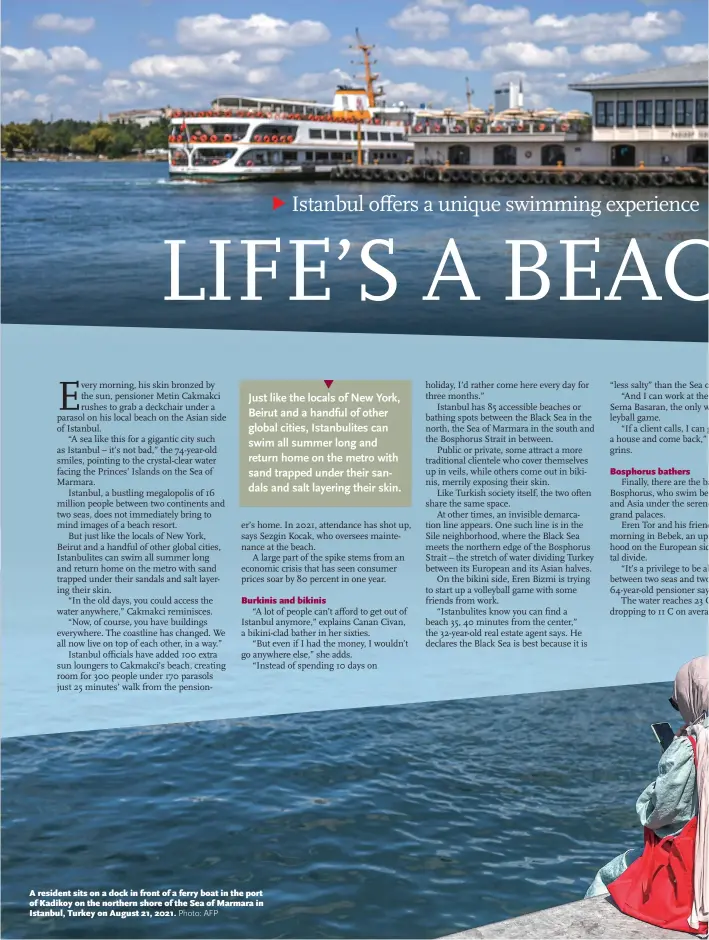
(370,77)
(468,93)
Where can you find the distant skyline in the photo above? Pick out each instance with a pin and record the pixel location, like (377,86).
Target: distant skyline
(79,58)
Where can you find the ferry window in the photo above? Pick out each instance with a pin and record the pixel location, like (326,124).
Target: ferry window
(290,156)
(274,131)
(684,112)
(330,135)
(643,113)
(322,156)
(398,136)
(372,135)
(385,136)
(625,114)
(604,114)
(702,112)
(315,135)
(251,158)
(345,135)
(212,157)
(663,113)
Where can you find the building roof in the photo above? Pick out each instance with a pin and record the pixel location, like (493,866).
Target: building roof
(693,74)
(135,112)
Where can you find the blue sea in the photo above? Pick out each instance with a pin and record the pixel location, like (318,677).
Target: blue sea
(398,822)
(83,243)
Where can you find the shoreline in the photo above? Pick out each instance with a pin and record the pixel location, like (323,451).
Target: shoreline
(88,159)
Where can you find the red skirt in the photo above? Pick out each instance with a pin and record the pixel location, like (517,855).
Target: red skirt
(658,888)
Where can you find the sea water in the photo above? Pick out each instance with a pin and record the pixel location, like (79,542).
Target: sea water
(396,822)
(84,243)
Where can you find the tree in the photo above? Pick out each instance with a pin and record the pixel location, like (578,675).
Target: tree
(120,146)
(82,143)
(60,134)
(102,138)
(97,140)
(18,137)
(155,135)
(113,140)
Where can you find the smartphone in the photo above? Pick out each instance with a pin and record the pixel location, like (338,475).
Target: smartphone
(664,733)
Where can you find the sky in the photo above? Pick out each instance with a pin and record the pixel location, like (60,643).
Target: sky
(85,58)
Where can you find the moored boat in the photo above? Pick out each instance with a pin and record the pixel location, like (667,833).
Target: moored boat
(281,140)
(248,139)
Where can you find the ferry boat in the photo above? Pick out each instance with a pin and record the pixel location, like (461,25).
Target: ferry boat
(248,139)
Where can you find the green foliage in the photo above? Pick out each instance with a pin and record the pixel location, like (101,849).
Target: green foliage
(120,145)
(83,137)
(155,136)
(18,137)
(82,143)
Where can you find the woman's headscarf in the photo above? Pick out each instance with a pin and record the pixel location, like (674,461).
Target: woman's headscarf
(691,694)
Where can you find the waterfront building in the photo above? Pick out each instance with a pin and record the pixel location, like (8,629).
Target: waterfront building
(656,117)
(140,116)
(525,140)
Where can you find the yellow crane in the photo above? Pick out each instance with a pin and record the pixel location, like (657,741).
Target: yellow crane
(370,77)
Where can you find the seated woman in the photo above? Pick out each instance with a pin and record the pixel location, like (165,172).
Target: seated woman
(667,882)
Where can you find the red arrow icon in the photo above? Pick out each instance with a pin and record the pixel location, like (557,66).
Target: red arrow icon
(277,203)
(328,382)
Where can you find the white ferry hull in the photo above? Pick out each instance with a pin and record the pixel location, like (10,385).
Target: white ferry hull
(225,148)
(256,174)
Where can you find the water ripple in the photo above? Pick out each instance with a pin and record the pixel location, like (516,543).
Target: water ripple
(381,822)
(95,224)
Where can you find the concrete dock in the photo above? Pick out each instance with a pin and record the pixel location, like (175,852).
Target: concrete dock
(581,920)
